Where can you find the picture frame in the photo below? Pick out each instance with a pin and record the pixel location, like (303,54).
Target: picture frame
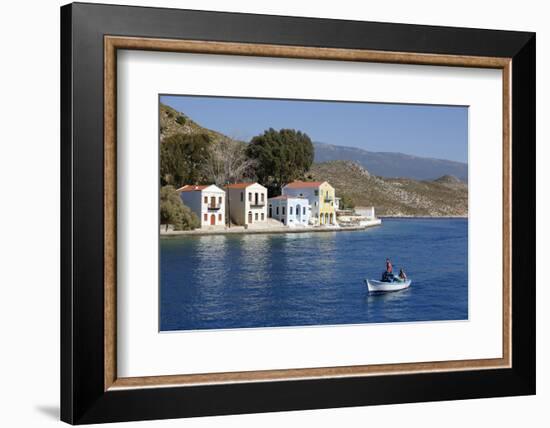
(91,391)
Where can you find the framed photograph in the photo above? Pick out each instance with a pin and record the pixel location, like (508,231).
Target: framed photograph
(267,213)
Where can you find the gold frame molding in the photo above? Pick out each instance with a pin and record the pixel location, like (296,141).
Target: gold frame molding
(113,43)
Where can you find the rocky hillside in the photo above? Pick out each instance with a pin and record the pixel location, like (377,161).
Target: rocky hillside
(174,122)
(445,196)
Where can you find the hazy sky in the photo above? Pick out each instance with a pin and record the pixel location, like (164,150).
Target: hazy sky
(430,131)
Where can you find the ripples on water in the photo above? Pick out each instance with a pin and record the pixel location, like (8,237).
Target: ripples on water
(299,279)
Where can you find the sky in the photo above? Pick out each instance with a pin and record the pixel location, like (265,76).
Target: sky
(423,130)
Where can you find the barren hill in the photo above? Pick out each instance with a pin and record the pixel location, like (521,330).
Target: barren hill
(395,196)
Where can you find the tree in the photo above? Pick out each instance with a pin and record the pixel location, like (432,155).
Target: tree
(281,157)
(227,162)
(346,202)
(174,212)
(182,158)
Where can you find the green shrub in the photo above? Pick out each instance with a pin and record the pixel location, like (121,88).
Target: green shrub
(181,120)
(346,202)
(174,212)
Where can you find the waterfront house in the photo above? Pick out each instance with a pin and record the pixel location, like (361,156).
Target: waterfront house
(289,210)
(246,203)
(320,195)
(207,201)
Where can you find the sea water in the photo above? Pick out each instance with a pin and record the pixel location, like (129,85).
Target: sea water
(307,279)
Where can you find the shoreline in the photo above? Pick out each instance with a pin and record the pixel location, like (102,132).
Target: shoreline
(239,230)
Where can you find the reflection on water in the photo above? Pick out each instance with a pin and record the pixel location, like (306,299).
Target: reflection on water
(314,278)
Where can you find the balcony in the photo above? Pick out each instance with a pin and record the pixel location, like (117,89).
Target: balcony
(257,204)
(214,207)
(329,199)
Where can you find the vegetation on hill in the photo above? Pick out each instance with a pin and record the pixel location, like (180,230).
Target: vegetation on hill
(394,196)
(174,212)
(183,158)
(192,154)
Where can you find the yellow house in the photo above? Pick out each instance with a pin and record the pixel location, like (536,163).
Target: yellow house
(321,199)
(327,211)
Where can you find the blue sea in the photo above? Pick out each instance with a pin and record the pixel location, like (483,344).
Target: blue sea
(305,279)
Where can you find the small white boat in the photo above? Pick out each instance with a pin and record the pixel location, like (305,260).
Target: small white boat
(394,285)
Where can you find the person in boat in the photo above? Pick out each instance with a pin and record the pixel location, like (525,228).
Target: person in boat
(387,276)
(389,266)
(402,275)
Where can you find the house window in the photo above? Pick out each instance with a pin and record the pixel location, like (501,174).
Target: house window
(242,196)
(250,197)
(284,209)
(249,216)
(277,210)
(270,211)
(205,217)
(263,196)
(290,210)
(220,200)
(316,193)
(304,210)
(256,216)
(219,217)
(206,199)
(263,216)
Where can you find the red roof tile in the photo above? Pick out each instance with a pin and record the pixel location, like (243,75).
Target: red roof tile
(239,185)
(192,188)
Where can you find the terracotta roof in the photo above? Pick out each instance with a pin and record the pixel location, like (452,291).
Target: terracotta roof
(192,188)
(301,184)
(239,185)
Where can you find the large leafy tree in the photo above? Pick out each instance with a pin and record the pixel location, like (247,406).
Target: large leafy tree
(174,212)
(182,159)
(280,157)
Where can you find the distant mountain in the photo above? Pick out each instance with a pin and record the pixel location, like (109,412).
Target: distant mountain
(446,196)
(388,164)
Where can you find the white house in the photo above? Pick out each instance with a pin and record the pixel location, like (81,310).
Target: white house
(291,211)
(246,203)
(320,195)
(208,202)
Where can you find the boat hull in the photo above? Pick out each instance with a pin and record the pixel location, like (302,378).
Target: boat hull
(375,286)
